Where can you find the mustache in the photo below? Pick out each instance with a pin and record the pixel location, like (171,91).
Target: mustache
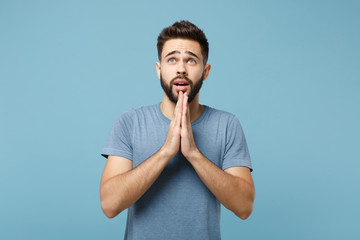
(181,76)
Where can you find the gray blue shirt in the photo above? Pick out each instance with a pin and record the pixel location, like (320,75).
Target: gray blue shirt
(178,205)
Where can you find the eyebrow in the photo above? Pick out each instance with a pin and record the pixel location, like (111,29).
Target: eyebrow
(178,52)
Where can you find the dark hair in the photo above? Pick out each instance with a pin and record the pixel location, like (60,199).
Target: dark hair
(184,30)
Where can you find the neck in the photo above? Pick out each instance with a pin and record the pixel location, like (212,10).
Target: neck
(168,108)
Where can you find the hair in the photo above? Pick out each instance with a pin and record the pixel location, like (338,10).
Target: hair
(184,30)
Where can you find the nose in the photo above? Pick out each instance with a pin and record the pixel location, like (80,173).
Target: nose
(181,69)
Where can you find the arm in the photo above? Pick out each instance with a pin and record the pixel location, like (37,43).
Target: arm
(122,185)
(234,187)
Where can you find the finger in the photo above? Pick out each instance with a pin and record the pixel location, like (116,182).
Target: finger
(179,107)
(187,107)
(185,111)
(185,103)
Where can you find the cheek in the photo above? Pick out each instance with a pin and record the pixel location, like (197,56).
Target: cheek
(164,70)
(167,73)
(197,74)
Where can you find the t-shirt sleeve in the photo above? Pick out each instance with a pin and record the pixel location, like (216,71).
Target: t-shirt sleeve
(119,141)
(236,149)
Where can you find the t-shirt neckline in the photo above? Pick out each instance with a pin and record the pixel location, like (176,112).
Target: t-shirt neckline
(167,120)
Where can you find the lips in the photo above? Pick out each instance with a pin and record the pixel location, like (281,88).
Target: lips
(181,82)
(181,85)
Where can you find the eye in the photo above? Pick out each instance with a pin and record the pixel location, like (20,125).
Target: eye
(191,61)
(171,60)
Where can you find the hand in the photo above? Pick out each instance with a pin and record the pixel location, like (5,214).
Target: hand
(188,146)
(172,142)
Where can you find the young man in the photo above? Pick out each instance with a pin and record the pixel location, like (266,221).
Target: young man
(172,164)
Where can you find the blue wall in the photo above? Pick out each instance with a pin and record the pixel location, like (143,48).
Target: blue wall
(288,69)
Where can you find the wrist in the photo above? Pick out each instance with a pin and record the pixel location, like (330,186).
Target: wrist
(193,155)
(164,153)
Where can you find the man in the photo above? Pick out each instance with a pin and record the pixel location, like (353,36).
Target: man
(172,164)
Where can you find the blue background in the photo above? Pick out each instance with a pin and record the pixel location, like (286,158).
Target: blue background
(288,69)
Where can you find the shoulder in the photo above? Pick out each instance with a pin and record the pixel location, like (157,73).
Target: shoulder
(134,113)
(219,115)
(138,116)
(222,119)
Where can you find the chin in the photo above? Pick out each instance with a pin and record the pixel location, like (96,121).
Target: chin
(177,92)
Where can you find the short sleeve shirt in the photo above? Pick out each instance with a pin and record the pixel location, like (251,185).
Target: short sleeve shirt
(178,205)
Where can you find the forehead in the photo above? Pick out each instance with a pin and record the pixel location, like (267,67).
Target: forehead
(181,45)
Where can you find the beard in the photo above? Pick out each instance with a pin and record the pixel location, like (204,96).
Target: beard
(194,88)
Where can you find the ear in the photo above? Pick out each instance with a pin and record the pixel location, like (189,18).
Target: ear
(207,69)
(158,69)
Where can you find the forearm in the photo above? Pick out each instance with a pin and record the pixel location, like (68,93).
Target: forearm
(123,190)
(234,192)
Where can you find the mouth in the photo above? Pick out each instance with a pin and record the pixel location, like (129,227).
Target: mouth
(181,82)
(181,85)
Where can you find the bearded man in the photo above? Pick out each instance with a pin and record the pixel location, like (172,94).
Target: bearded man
(173,163)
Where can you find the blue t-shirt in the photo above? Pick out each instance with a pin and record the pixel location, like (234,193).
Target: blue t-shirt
(178,205)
